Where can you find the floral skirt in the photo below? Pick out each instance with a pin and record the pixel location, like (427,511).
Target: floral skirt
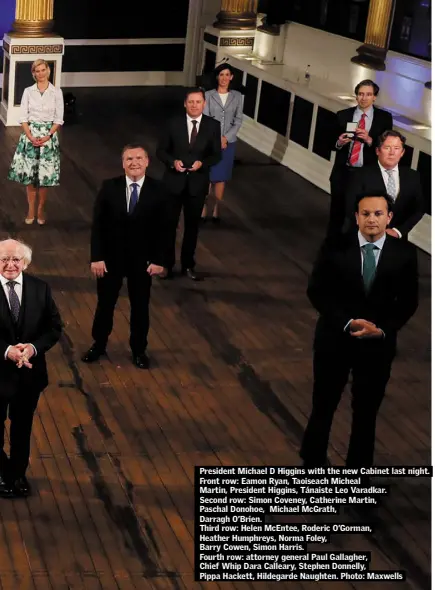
(39,166)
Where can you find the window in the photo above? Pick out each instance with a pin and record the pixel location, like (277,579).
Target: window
(411,31)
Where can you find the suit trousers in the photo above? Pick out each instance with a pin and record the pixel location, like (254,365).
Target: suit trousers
(20,409)
(370,362)
(139,288)
(339,208)
(192,207)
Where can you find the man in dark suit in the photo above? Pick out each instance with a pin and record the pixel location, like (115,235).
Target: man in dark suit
(127,240)
(402,184)
(365,287)
(354,149)
(29,326)
(190,145)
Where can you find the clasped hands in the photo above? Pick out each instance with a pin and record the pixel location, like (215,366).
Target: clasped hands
(20,354)
(179,166)
(364,329)
(38,141)
(98,269)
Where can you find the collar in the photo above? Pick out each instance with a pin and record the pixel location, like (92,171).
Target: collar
(190,119)
(368,112)
(49,89)
(138,182)
(379,243)
(395,169)
(18,280)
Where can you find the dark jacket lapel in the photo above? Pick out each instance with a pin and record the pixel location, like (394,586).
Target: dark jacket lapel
(376,123)
(354,261)
(26,317)
(143,197)
(119,194)
(184,131)
(202,132)
(5,312)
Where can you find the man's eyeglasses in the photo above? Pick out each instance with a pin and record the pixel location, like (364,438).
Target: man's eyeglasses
(12,259)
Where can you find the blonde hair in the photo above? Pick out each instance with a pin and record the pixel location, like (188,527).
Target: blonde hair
(40,62)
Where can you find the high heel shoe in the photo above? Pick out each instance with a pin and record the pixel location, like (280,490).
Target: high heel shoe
(29,220)
(41,221)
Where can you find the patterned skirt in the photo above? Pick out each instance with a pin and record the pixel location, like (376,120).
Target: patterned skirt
(39,166)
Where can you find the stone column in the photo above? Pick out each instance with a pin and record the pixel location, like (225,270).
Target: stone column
(33,18)
(237,15)
(380,19)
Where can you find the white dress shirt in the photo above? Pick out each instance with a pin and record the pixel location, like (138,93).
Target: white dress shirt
(129,188)
(42,108)
(190,125)
(18,288)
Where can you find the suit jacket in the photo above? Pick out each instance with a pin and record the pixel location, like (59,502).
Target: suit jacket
(119,238)
(382,121)
(409,205)
(174,145)
(38,323)
(230,115)
(336,290)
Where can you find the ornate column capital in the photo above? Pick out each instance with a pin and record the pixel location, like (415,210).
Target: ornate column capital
(33,18)
(237,15)
(377,38)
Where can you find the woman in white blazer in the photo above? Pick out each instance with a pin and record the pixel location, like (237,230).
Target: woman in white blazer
(226,106)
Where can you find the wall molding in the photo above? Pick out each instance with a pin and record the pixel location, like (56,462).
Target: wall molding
(145,41)
(35,49)
(101,79)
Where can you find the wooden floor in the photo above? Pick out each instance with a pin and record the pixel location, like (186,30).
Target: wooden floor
(114,448)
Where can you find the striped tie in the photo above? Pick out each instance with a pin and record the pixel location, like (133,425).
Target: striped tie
(357,145)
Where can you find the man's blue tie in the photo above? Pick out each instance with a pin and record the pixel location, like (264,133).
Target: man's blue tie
(14,300)
(133,198)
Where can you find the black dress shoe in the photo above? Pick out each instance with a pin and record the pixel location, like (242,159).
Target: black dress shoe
(190,273)
(21,487)
(216,220)
(6,490)
(93,354)
(141,361)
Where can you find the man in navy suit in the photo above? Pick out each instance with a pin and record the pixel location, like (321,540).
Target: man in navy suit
(365,287)
(190,145)
(354,150)
(127,240)
(29,326)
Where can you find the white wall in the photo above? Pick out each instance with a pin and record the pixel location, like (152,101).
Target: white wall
(402,83)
